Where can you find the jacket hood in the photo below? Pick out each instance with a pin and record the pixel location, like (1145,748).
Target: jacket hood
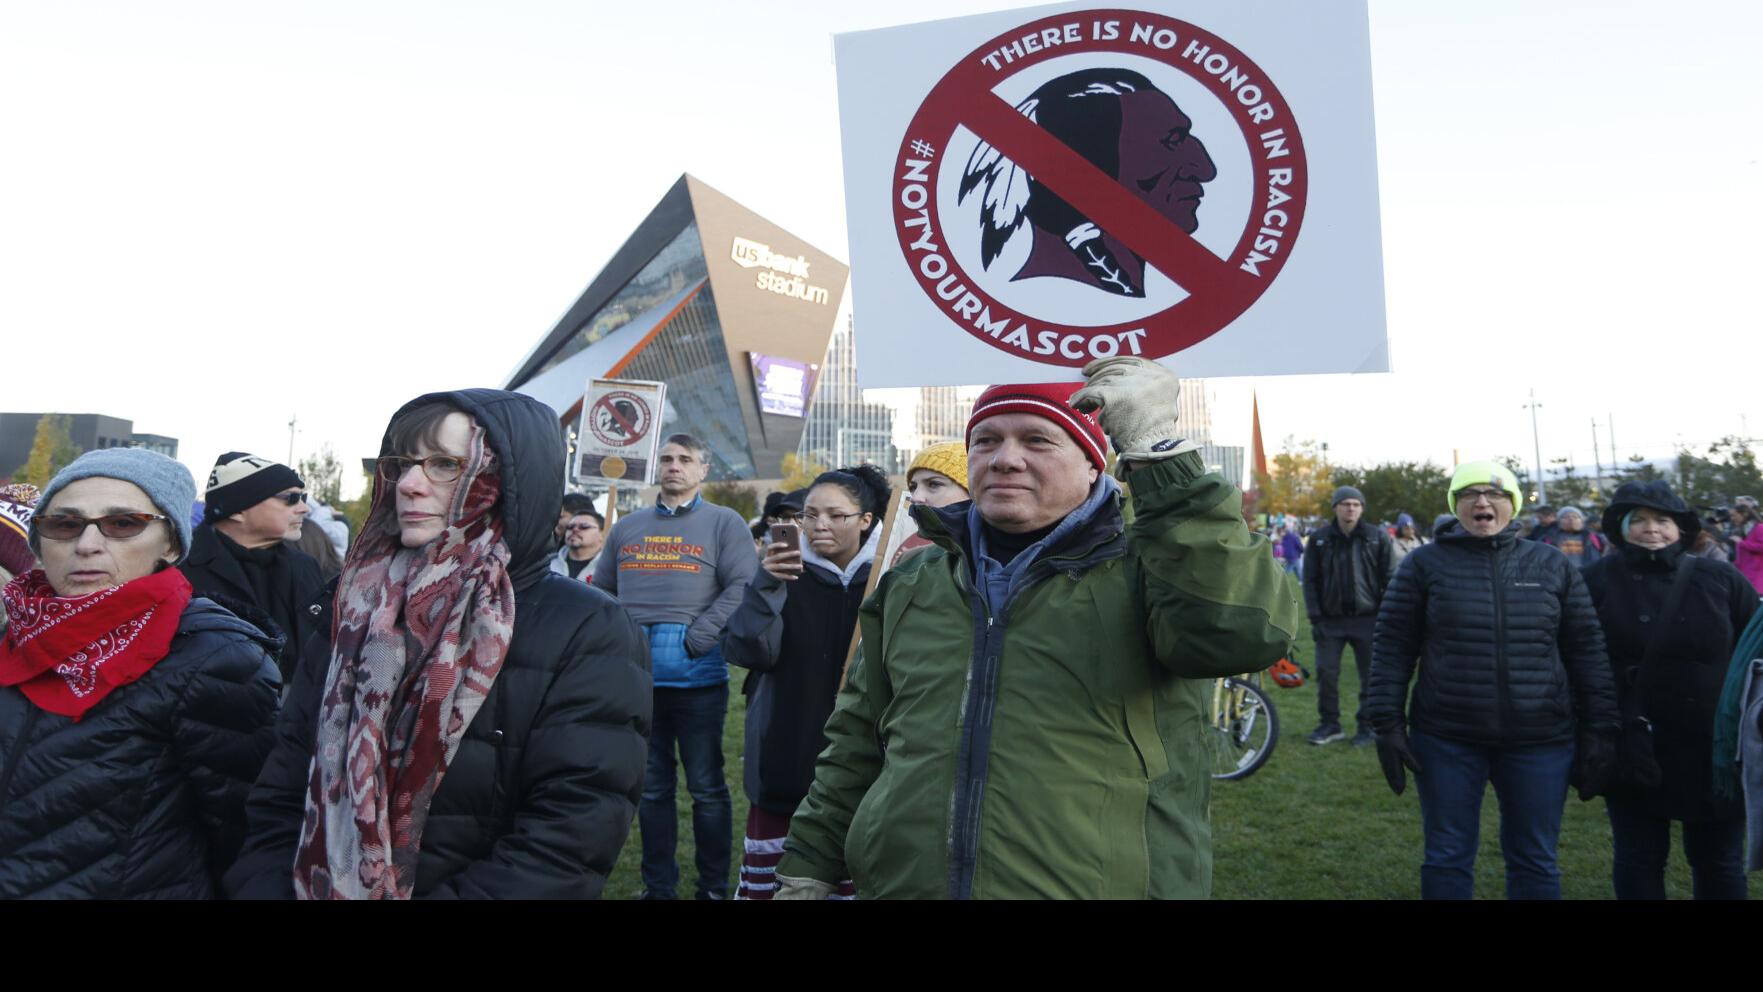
(528,442)
(1655,495)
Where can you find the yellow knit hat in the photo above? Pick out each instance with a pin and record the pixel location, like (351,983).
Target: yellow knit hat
(948,458)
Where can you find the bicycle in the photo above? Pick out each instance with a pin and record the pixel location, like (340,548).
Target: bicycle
(1242,726)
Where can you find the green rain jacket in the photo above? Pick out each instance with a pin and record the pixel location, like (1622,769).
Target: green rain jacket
(1055,750)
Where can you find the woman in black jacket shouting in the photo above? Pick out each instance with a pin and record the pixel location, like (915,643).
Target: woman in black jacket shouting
(470,724)
(793,631)
(1671,621)
(1514,688)
(133,715)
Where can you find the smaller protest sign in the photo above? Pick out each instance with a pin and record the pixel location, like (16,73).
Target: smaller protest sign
(617,438)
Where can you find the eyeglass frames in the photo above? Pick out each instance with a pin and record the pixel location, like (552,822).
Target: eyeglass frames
(68,526)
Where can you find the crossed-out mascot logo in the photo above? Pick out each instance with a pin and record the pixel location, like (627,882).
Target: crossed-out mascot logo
(620,419)
(1097,183)
(1121,123)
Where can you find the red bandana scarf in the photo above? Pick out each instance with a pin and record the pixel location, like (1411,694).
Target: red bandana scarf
(420,635)
(67,653)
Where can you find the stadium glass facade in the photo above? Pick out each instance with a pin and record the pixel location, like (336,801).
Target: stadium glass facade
(701,288)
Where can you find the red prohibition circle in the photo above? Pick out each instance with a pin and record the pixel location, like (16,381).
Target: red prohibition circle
(1219,290)
(633,432)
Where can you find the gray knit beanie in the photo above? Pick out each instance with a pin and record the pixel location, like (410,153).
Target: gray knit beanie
(1346,492)
(165,481)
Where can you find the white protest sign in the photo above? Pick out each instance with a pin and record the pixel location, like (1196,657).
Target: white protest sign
(620,432)
(1194,182)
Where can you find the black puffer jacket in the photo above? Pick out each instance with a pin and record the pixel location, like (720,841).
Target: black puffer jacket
(1509,648)
(541,794)
(1368,553)
(1681,690)
(793,637)
(144,797)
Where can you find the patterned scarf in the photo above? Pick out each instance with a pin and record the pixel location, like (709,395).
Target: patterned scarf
(67,653)
(419,637)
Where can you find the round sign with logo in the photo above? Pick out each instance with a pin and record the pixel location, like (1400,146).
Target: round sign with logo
(620,418)
(1100,183)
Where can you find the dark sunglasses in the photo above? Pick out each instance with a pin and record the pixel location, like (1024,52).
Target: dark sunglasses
(440,469)
(68,526)
(290,498)
(587,526)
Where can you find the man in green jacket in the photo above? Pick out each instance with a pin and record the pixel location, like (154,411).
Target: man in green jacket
(1022,720)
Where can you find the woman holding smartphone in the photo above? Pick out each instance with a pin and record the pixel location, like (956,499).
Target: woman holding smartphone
(792,632)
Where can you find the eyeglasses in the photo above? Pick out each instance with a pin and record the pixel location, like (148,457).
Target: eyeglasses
(1491,495)
(68,526)
(440,469)
(290,498)
(836,519)
(587,526)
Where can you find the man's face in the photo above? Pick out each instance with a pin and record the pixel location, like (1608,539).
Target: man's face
(681,470)
(584,536)
(1160,162)
(1545,518)
(1573,523)
(271,520)
(1348,511)
(1025,472)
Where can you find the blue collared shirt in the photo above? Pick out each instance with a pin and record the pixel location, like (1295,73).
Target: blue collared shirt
(663,509)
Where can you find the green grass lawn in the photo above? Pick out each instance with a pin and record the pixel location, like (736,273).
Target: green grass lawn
(1313,823)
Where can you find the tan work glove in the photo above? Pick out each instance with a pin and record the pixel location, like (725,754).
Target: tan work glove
(790,887)
(1137,400)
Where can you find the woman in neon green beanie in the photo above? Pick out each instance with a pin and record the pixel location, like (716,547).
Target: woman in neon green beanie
(1514,688)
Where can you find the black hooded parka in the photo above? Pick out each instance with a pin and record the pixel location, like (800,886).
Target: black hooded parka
(1678,694)
(540,796)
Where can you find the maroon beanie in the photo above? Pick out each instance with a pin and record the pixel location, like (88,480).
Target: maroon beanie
(17,502)
(1049,400)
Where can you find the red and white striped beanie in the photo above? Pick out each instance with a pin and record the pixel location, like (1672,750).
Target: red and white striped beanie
(1049,400)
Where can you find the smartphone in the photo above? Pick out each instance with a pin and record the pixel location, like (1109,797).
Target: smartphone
(789,534)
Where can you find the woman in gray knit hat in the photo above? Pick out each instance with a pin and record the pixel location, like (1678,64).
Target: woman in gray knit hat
(136,716)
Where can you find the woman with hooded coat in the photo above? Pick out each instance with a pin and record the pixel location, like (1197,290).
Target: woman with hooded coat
(793,632)
(469,724)
(134,714)
(1673,694)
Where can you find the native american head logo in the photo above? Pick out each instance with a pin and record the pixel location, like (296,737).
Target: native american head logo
(1124,125)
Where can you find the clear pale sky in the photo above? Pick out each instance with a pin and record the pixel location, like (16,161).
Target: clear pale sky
(215,215)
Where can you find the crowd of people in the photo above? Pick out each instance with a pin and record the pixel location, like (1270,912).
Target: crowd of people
(478,694)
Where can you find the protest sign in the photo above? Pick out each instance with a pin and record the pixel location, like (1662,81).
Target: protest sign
(1193,182)
(619,433)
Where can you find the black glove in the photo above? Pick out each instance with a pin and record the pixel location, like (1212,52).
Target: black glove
(1392,754)
(1594,765)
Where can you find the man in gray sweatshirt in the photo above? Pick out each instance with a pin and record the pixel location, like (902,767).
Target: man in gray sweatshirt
(681,568)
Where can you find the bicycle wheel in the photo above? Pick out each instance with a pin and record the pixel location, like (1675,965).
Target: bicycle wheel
(1243,730)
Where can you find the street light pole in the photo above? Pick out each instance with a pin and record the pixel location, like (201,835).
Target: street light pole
(1542,489)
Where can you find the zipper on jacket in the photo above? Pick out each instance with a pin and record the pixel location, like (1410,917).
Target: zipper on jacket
(974,752)
(1502,689)
(18,745)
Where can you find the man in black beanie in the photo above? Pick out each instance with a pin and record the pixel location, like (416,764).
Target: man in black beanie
(237,557)
(1347,567)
